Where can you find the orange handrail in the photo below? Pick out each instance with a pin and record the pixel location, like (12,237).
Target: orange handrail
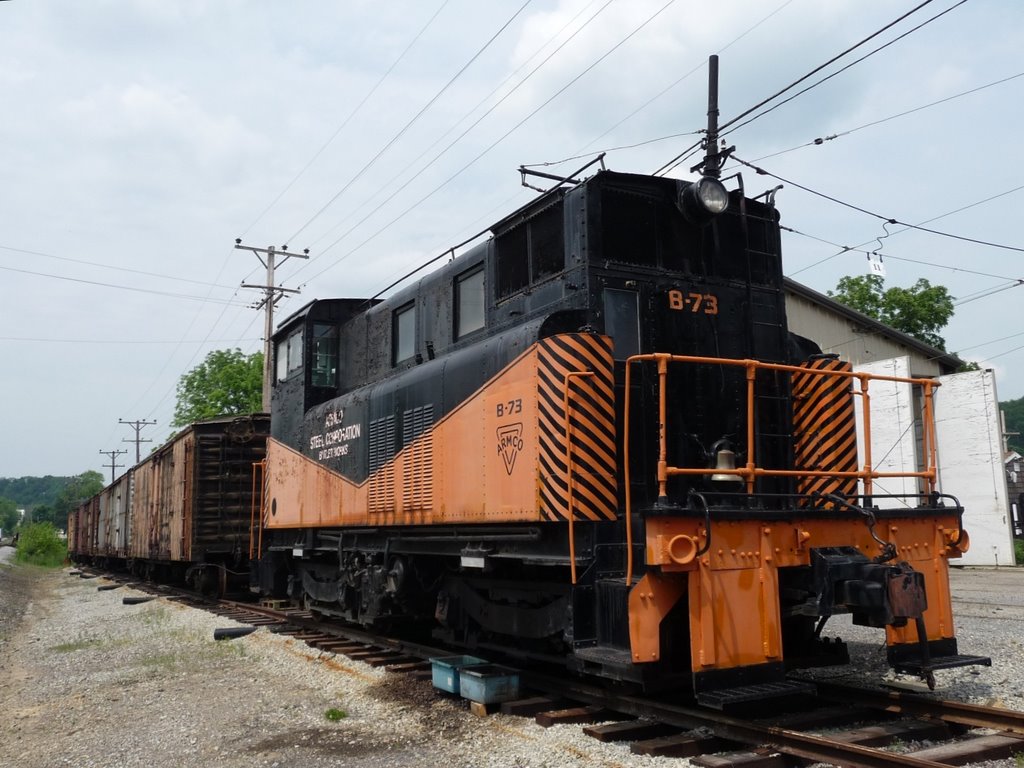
(256,507)
(750,471)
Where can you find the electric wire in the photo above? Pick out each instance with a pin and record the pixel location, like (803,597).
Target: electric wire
(724,132)
(675,83)
(821,140)
(843,248)
(113,267)
(136,289)
(887,219)
(348,119)
(820,67)
(390,184)
(411,122)
(723,128)
(855,249)
(508,133)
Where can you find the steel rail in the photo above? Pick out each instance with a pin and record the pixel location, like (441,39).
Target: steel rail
(913,705)
(802,745)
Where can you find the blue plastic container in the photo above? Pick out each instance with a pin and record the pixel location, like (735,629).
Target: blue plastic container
(444,671)
(489,683)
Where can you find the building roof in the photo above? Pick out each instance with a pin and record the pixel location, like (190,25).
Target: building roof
(943,358)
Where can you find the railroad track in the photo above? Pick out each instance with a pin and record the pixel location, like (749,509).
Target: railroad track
(840,725)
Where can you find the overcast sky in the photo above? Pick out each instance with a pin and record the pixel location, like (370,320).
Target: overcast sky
(141,137)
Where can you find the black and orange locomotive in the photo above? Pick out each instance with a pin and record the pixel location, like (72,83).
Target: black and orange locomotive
(593,438)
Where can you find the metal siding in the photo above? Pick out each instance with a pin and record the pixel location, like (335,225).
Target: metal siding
(970,463)
(835,333)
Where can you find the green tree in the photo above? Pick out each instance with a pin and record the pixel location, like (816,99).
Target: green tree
(9,516)
(80,488)
(1013,410)
(226,383)
(39,544)
(920,311)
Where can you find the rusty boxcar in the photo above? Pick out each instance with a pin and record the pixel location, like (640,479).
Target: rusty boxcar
(183,513)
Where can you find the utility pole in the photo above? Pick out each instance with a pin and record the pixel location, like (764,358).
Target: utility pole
(113,461)
(137,426)
(271,295)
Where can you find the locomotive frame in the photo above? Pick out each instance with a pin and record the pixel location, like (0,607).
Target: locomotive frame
(507,452)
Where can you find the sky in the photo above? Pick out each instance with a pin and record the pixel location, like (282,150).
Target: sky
(140,138)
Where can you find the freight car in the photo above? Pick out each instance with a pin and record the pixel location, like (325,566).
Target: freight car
(183,514)
(592,439)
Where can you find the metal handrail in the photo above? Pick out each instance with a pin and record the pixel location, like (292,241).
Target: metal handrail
(750,472)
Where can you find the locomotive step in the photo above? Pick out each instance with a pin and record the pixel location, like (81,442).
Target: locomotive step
(924,666)
(728,697)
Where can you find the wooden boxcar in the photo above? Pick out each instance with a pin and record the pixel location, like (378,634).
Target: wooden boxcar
(184,512)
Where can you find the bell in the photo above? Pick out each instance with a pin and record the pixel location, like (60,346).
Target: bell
(725,459)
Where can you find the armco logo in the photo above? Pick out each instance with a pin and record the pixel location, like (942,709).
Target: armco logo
(510,443)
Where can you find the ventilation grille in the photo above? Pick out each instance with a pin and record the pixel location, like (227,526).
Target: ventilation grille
(382,469)
(418,469)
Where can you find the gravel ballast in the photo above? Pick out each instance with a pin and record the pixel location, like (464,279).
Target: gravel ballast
(87,681)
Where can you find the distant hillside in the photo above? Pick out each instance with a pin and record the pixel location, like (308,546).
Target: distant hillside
(28,492)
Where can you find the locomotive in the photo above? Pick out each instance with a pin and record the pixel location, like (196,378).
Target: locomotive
(593,440)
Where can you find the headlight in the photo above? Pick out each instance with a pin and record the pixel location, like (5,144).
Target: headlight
(712,195)
(703,199)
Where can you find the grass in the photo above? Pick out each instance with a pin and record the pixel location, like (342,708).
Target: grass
(39,544)
(334,715)
(76,645)
(1018,551)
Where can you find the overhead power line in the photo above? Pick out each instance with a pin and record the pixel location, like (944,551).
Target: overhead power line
(723,131)
(887,219)
(838,135)
(114,267)
(404,173)
(498,141)
(410,123)
(348,119)
(121,287)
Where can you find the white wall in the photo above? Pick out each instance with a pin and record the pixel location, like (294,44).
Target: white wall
(971,465)
(893,444)
(969,445)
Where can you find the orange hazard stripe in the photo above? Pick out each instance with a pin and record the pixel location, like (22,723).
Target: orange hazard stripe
(824,427)
(591,424)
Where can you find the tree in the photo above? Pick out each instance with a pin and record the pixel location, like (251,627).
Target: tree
(80,488)
(1013,410)
(9,516)
(920,311)
(227,382)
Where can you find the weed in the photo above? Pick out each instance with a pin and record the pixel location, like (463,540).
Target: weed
(334,715)
(1018,758)
(154,615)
(76,645)
(39,544)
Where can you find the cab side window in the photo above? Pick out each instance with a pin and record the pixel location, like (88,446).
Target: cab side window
(469,302)
(289,355)
(403,333)
(325,355)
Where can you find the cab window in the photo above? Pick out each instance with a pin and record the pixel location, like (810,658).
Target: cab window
(403,329)
(289,355)
(469,302)
(325,355)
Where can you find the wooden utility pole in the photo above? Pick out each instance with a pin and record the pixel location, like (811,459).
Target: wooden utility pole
(113,461)
(137,426)
(271,295)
